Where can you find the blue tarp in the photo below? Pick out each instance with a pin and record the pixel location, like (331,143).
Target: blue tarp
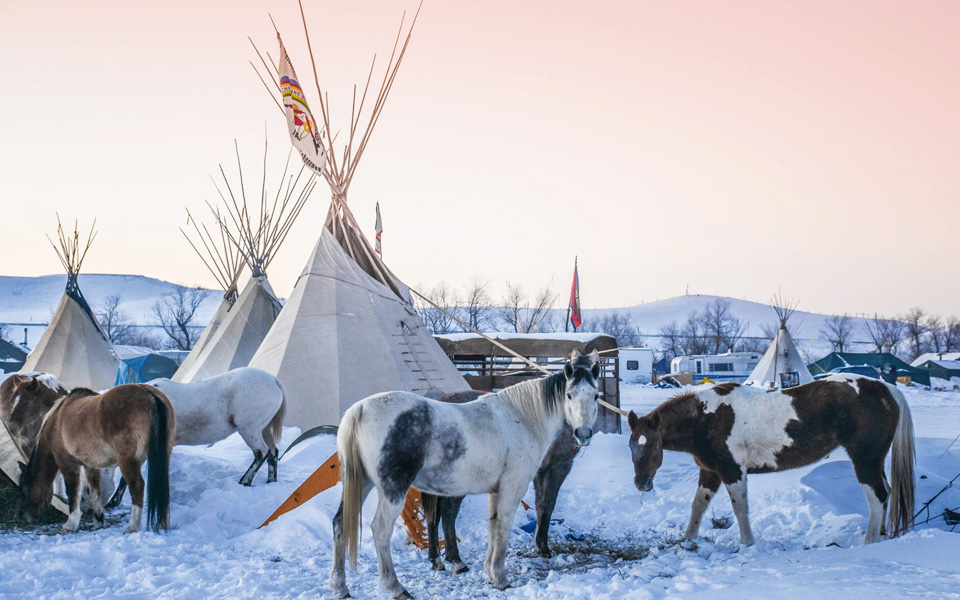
(147,367)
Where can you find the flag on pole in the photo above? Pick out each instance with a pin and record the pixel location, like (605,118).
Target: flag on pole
(574,307)
(379,228)
(304,132)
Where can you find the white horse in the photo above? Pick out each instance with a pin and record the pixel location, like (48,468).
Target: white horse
(247,400)
(493,445)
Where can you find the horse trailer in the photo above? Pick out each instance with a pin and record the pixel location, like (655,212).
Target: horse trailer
(636,365)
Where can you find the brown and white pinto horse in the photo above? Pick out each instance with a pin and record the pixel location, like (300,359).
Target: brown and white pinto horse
(732,430)
(124,426)
(24,400)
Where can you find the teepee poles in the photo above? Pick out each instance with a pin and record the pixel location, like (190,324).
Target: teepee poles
(70,251)
(219,255)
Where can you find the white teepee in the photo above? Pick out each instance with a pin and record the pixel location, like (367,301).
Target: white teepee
(349,328)
(258,236)
(782,361)
(222,258)
(74,347)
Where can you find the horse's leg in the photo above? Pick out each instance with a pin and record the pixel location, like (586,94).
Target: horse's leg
(502,522)
(738,498)
(71,480)
(260,451)
(870,475)
(273,458)
(431,510)
(492,500)
(117,495)
(383,522)
(883,516)
(338,577)
(130,468)
(546,484)
(709,484)
(93,477)
(448,514)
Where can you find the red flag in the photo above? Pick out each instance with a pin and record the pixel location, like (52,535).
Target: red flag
(574,307)
(379,228)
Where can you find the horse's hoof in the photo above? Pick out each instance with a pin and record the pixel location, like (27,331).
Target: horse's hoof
(65,530)
(404,595)
(459,568)
(544,552)
(437,565)
(688,544)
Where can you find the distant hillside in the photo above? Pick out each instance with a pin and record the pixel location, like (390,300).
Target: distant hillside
(32,300)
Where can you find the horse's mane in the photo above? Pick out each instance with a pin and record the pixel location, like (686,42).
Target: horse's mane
(545,395)
(683,395)
(82,392)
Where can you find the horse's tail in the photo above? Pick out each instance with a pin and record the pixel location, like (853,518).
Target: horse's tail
(351,473)
(275,427)
(429,504)
(162,428)
(902,460)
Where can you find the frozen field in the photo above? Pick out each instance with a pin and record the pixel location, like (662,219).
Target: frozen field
(614,542)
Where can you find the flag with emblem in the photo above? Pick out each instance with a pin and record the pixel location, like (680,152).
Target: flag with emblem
(304,132)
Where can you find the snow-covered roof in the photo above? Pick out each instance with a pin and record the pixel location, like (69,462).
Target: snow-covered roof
(952,365)
(950,356)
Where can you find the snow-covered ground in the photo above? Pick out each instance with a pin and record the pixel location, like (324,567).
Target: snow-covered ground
(614,542)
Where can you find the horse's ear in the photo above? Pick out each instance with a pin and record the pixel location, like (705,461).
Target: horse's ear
(632,419)
(574,355)
(33,384)
(594,355)
(568,370)
(654,419)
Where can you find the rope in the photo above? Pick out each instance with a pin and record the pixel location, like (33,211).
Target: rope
(529,362)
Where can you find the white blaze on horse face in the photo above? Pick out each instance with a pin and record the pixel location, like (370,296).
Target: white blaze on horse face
(759,426)
(642,440)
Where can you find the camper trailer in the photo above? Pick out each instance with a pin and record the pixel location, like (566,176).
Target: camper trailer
(732,366)
(636,365)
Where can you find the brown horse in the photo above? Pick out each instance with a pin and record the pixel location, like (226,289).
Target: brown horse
(125,426)
(24,400)
(733,430)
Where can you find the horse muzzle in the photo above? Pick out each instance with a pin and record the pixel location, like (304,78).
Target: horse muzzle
(582,435)
(643,484)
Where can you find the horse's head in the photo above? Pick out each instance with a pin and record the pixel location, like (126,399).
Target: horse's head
(646,448)
(36,495)
(580,407)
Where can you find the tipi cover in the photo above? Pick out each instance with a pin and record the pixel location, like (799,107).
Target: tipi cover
(234,342)
(343,336)
(188,364)
(781,357)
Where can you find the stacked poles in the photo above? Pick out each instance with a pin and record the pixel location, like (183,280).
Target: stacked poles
(219,254)
(71,251)
(257,234)
(339,173)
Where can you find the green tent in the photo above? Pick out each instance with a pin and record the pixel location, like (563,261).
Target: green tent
(879,360)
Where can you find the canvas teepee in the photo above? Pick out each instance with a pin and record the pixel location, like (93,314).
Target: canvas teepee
(782,365)
(258,234)
(222,258)
(349,328)
(74,347)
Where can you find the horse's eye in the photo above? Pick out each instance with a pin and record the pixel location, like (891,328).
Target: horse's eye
(569,397)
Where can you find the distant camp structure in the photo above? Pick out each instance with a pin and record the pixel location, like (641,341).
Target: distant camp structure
(74,347)
(349,328)
(257,228)
(222,258)
(782,366)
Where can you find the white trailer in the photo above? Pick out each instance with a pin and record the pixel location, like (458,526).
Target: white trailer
(636,365)
(732,366)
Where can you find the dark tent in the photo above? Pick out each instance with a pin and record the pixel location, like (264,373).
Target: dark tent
(944,369)
(879,360)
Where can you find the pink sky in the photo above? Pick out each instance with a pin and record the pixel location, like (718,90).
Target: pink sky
(735,147)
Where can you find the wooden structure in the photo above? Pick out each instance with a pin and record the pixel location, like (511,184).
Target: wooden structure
(489,368)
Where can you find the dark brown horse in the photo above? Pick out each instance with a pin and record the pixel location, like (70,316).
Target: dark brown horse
(125,426)
(553,471)
(24,400)
(732,430)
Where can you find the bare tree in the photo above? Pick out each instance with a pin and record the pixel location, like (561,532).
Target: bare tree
(5,333)
(721,328)
(884,334)
(476,307)
(837,330)
(915,328)
(436,320)
(175,312)
(618,325)
(114,321)
(671,342)
(936,333)
(951,341)
(694,335)
(523,314)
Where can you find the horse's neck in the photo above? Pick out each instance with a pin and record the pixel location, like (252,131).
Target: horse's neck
(678,420)
(528,400)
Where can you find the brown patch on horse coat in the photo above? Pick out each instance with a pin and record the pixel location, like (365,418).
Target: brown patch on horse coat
(723,389)
(24,401)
